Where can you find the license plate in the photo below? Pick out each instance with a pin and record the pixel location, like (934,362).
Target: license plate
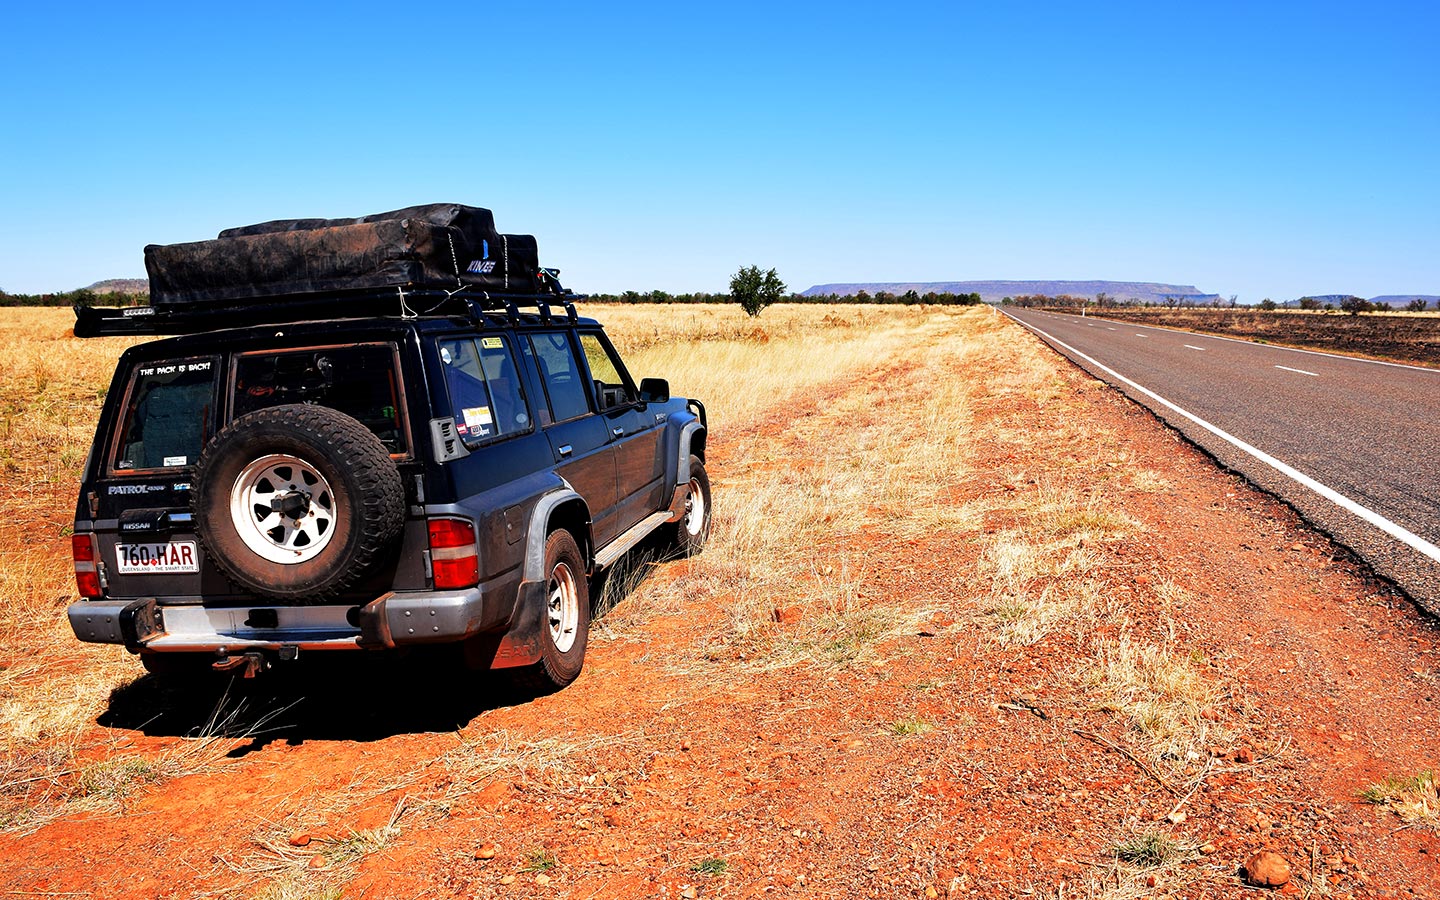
(157,559)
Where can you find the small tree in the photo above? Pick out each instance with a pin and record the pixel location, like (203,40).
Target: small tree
(1309,303)
(1267,304)
(1415,305)
(754,290)
(1355,305)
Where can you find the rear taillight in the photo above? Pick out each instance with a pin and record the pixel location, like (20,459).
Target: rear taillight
(87,576)
(452,553)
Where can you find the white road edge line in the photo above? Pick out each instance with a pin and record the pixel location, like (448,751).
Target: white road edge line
(1301,371)
(1411,540)
(1193,347)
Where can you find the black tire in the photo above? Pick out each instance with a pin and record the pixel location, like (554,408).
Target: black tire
(342,472)
(692,531)
(558,667)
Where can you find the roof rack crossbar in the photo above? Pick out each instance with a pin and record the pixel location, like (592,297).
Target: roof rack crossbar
(93,321)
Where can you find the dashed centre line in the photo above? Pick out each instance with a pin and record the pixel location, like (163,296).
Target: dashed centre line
(1193,347)
(1301,371)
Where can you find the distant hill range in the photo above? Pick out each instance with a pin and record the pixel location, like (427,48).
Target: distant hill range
(121,286)
(1398,301)
(995,291)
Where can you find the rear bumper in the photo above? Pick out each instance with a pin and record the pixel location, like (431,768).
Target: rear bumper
(394,620)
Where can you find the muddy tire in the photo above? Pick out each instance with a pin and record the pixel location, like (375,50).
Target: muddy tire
(693,529)
(296,503)
(565,620)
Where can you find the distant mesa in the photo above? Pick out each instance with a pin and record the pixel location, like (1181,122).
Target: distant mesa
(120,286)
(995,291)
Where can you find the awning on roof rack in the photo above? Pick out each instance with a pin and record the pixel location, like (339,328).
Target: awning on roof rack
(440,245)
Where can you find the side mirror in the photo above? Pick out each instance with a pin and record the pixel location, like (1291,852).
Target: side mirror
(654,390)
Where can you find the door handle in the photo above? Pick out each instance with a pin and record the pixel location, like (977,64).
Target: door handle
(566,449)
(617,432)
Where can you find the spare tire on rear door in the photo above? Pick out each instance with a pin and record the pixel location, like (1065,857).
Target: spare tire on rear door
(296,502)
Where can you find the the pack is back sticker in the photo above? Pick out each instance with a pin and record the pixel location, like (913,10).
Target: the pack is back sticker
(478,420)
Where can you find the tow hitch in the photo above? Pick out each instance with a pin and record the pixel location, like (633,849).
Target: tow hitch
(253,663)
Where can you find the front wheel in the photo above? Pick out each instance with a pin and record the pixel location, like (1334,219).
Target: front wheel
(693,529)
(565,620)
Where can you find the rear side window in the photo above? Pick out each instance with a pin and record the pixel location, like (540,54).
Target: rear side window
(168,414)
(564,383)
(485,389)
(358,380)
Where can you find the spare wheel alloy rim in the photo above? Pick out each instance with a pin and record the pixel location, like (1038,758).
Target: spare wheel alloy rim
(564,611)
(694,509)
(283,509)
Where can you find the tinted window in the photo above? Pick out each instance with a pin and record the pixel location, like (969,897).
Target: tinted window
(358,381)
(611,387)
(484,388)
(564,384)
(167,419)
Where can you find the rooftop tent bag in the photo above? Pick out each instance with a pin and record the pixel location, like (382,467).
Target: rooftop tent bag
(441,245)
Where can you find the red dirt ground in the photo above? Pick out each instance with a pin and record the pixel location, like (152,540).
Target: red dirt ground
(669,752)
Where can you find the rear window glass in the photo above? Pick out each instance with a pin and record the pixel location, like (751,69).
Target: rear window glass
(356,380)
(169,414)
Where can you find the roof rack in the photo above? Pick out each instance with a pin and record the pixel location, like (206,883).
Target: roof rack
(475,305)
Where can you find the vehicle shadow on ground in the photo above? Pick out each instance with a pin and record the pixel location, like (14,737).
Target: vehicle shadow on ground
(344,696)
(357,698)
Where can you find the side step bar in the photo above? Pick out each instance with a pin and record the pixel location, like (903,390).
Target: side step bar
(637,533)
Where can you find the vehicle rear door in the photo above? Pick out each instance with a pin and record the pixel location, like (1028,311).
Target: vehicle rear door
(139,497)
(583,454)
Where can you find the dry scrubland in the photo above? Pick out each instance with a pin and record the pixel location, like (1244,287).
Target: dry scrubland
(864,495)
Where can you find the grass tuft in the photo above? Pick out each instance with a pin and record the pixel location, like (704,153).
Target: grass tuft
(710,866)
(1150,850)
(1162,694)
(539,861)
(910,726)
(1414,798)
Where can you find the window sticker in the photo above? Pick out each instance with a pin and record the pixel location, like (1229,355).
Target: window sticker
(492,343)
(478,420)
(176,460)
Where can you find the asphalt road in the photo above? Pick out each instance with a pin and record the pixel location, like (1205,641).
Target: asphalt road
(1353,444)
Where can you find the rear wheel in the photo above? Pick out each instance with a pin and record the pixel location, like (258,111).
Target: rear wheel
(565,620)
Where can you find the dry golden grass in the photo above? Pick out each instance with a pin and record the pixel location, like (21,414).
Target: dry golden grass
(742,367)
(51,687)
(1162,693)
(788,553)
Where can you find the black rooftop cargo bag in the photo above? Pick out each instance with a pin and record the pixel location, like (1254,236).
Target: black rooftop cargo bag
(439,245)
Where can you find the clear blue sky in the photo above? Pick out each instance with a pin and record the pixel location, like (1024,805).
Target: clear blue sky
(1255,149)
